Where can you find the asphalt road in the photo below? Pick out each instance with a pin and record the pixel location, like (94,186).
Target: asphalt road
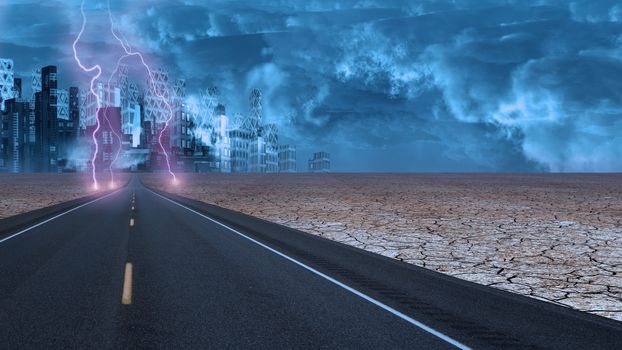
(134,270)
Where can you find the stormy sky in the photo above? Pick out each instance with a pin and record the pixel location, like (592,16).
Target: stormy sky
(383,85)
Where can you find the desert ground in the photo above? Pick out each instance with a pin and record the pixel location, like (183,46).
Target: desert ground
(20,193)
(554,237)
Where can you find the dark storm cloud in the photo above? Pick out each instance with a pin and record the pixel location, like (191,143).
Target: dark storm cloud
(384,85)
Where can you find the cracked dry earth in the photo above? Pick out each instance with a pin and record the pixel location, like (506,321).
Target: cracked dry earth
(552,237)
(20,193)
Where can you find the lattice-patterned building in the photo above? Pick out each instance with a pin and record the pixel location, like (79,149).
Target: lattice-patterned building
(210,98)
(253,122)
(236,120)
(6,80)
(109,96)
(62,104)
(35,81)
(157,98)
(130,108)
(83,103)
(271,138)
(123,81)
(204,123)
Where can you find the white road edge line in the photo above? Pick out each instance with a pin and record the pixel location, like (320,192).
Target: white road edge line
(393,311)
(57,216)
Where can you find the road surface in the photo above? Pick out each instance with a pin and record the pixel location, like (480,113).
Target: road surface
(136,269)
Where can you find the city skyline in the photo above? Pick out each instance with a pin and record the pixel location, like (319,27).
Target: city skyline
(120,125)
(534,87)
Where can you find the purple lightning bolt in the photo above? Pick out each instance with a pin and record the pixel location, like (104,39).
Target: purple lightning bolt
(112,184)
(130,52)
(93,79)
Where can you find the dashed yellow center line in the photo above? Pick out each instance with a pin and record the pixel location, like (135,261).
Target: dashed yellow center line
(132,222)
(126,298)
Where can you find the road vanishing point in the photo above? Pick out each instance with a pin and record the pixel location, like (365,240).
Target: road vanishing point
(142,269)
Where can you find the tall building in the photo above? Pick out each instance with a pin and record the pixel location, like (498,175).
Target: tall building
(205,119)
(130,107)
(223,143)
(17,87)
(74,105)
(179,129)
(287,159)
(35,86)
(15,149)
(272,160)
(271,137)
(257,155)
(257,146)
(130,113)
(108,143)
(239,140)
(108,96)
(46,122)
(146,135)
(62,104)
(320,163)
(68,123)
(156,104)
(181,138)
(6,80)
(157,97)
(35,81)
(254,120)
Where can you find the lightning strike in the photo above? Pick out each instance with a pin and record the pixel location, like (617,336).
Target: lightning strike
(116,69)
(92,90)
(129,52)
